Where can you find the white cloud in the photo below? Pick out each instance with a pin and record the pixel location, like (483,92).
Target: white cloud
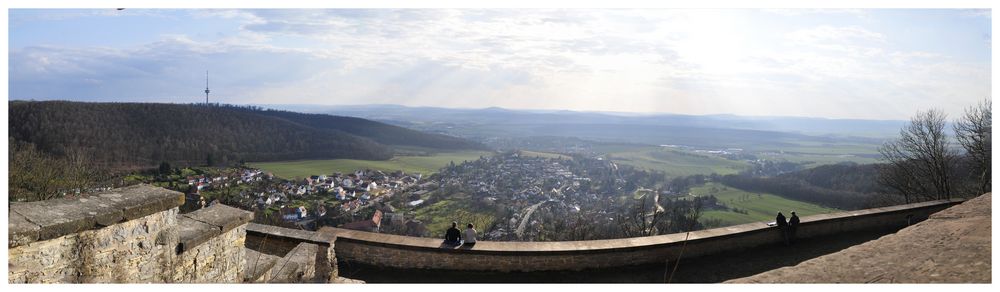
(688,61)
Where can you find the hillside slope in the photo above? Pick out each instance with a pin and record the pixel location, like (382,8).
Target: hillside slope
(379,132)
(143,134)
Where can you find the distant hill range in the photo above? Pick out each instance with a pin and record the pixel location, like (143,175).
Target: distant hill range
(760,134)
(144,134)
(495,115)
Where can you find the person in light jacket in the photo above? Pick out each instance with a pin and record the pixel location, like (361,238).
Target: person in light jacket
(469,234)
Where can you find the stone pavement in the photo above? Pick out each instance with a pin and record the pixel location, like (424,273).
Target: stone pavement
(952,246)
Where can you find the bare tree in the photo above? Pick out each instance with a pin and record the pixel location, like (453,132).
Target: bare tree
(640,220)
(974,132)
(919,164)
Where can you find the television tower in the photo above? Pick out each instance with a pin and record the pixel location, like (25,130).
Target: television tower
(206,87)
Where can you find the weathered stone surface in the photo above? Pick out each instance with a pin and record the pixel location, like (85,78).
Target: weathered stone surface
(305,256)
(426,253)
(222,216)
(285,272)
(124,252)
(953,246)
(289,234)
(221,259)
(193,232)
(259,266)
(281,241)
(97,240)
(20,231)
(60,217)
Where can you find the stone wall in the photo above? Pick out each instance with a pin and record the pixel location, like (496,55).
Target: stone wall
(135,235)
(218,260)
(126,235)
(426,253)
(280,241)
(132,251)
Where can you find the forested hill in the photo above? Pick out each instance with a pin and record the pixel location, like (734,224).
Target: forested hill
(144,134)
(380,132)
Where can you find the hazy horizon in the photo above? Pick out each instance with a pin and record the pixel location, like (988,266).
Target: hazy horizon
(875,64)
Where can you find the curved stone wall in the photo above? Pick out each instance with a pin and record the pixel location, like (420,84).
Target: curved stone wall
(406,252)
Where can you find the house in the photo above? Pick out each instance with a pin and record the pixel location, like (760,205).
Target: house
(370,225)
(293,213)
(289,214)
(321,210)
(415,228)
(396,218)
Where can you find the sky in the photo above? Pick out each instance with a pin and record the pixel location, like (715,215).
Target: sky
(834,63)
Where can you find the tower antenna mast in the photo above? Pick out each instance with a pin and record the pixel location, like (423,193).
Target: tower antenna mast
(206,87)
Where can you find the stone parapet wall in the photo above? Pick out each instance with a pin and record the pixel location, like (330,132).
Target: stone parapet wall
(126,235)
(279,241)
(221,259)
(425,253)
(135,251)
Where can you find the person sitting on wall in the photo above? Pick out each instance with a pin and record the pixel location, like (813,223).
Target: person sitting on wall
(469,235)
(793,223)
(453,236)
(782,226)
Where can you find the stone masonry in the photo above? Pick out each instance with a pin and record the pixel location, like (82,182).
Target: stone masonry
(393,251)
(126,235)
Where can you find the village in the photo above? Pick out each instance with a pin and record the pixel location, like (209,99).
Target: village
(307,203)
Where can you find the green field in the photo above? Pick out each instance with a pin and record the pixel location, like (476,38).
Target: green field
(759,206)
(410,164)
(675,162)
(438,217)
(526,153)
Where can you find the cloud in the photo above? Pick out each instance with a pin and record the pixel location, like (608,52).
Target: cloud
(835,35)
(171,68)
(689,61)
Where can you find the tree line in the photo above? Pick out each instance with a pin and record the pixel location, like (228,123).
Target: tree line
(926,163)
(112,138)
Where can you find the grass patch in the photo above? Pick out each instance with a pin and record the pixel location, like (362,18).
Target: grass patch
(526,153)
(759,206)
(438,217)
(676,162)
(410,164)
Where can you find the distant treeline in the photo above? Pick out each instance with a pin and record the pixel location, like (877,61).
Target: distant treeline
(845,186)
(135,135)
(379,132)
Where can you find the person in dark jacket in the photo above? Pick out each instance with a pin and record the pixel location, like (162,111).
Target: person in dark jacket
(782,226)
(793,223)
(453,236)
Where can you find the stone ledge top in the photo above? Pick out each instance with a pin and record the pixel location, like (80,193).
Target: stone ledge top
(952,246)
(604,244)
(199,226)
(294,234)
(43,220)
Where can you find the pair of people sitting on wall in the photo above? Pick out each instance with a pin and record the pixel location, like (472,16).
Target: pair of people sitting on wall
(787,227)
(455,237)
